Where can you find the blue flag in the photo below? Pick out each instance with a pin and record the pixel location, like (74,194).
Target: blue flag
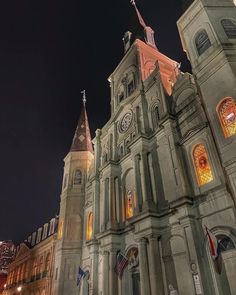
(81,274)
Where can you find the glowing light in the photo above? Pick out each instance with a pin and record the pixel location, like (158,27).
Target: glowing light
(130,204)
(19,288)
(5,285)
(89,232)
(60,229)
(227,116)
(202,166)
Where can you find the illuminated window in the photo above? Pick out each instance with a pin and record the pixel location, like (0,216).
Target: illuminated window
(89,231)
(229,27)
(47,262)
(227,115)
(60,230)
(202,166)
(130,204)
(202,42)
(78,177)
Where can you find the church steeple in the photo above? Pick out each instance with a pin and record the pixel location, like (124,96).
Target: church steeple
(148,31)
(82,138)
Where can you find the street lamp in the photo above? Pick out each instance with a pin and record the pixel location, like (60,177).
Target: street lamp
(19,288)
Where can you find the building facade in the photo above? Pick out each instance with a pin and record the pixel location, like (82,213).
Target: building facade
(162,169)
(31,272)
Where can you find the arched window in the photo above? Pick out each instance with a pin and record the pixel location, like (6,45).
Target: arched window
(229,28)
(130,203)
(202,42)
(78,177)
(227,115)
(40,265)
(202,165)
(89,231)
(225,243)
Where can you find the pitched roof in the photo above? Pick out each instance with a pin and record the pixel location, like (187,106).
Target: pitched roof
(82,138)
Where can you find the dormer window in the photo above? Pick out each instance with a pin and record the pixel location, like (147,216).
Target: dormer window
(131,87)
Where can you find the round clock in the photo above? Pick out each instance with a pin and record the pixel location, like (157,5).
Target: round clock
(126,122)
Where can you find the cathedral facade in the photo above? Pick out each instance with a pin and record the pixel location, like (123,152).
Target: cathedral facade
(159,173)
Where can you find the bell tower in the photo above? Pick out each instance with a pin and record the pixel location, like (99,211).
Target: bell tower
(208,34)
(70,231)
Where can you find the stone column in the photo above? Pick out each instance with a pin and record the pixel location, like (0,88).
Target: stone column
(155,268)
(105,283)
(146,184)
(143,266)
(138,183)
(113,286)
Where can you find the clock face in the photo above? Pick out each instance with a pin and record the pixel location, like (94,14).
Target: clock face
(126,121)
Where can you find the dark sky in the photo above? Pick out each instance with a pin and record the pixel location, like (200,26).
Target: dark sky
(50,51)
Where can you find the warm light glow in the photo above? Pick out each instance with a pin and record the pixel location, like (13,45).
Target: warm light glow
(202,166)
(227,116)
(130,204)
(19,288)
(60,229)
(89,232)
(5,285)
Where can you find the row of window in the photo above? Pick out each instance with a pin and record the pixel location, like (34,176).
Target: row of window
(203,42)
(40,266)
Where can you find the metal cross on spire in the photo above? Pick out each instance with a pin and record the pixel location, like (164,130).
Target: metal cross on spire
(149,33)
(84,96)
(141,20)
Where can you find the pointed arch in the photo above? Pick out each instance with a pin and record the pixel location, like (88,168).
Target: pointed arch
(201,165)
(227,114)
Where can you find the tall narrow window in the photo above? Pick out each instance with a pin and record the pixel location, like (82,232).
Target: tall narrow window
(89,231)
(130,203)
(202,42)
(227,115)
(202,165)
(78,177)
(229,28)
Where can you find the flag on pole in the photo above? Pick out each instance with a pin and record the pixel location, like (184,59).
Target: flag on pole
(213,244)
(121,263)
(81,274)
(214,250)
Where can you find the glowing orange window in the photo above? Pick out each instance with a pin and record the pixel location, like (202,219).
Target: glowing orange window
(89,231)
(202,165)
(227,115)
(130,204)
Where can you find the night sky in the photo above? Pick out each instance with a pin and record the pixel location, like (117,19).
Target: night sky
(50,51)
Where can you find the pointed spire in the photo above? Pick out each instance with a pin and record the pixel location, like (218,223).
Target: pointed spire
(149,33)
(82,138)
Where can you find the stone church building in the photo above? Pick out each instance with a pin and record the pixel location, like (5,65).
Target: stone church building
(161,170)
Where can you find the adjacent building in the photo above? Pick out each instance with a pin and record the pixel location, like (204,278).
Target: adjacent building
(31,272)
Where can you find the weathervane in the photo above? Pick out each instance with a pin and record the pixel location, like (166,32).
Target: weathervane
(84,96)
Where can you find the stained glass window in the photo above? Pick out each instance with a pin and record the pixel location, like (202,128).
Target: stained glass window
(229,27)
(130,203)
(89,231)
(202,165)
(202,42)
(227,115)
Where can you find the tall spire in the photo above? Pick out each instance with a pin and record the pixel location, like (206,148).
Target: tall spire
(149,33)
(82,138)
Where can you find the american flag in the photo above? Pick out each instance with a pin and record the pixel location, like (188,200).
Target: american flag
(121,263)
